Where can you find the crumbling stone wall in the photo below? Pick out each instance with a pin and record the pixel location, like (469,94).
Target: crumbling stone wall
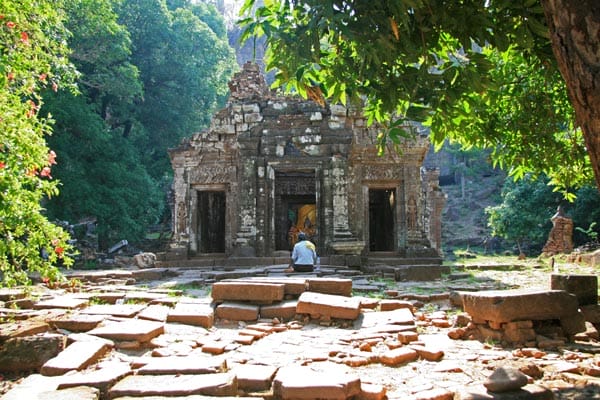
(261,141)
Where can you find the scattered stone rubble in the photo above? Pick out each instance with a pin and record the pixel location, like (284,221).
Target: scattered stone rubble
(278,336)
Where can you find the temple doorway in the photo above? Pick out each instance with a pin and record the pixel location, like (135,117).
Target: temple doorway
(295,208)
(381,219)
(211,221)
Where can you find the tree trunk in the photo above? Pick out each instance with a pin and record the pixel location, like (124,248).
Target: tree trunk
(574,27)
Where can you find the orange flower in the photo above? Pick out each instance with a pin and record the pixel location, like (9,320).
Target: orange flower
(2,165)
(11,24)
(24,37)
(51,157)
(59,250)
(46,172)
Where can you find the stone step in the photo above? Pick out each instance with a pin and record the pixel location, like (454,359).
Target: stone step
(192,314)
(247,291)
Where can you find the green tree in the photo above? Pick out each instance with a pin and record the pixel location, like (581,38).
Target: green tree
(33,56)
(444,62)
(100,165)
(524,214)
(184,67)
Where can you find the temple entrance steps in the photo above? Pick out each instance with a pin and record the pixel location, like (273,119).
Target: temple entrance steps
(406,269)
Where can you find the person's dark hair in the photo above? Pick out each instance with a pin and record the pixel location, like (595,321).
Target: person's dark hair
(301,236)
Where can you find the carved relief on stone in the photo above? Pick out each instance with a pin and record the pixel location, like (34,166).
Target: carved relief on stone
(411,213)
(381,172)
(294,185)
(212,174)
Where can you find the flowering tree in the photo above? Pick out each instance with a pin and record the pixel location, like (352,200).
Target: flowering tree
(32,57)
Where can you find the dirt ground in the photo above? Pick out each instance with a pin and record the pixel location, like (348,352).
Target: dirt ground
(571,371)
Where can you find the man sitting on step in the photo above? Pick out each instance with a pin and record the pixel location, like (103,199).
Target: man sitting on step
(304,255)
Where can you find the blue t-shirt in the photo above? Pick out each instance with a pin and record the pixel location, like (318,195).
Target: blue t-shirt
(304,253)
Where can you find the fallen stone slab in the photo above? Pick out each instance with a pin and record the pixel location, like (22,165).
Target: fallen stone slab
(292,286)
(505,379)
(116,310)
(7,294)
(77,322)
(129,330)
(247,291)
(76,393)
(400,355)
(315,382)
(517,305)
(237,311)
(283,310)
(31,387)
(155,312)
(66,302)
(108,297)
(29,353)
(393,304)
(254,378)
(192,314)
(336,286)
(145,297)
(528,392)
(26,328)
(401,316)
(183,365)
(102,378)
(319,305)
(76,356)
(221,384)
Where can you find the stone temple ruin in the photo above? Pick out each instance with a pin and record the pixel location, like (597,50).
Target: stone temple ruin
(270,166)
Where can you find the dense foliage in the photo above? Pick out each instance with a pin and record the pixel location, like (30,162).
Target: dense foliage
(93,93)
(33,56)
(523,216)
(150,74)
(478,72)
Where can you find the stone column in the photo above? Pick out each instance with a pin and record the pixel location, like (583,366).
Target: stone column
(344,242)
(246,234)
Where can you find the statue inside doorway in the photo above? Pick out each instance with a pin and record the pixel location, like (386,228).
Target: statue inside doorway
(304,220)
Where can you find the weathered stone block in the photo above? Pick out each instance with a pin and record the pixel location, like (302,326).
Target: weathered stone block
(515,305)
(192,314)
(398,356)
(390,305)
(283,310)
(584,287)
(248,291)
(254,378)
(237,311)
(336,286)
(328,305)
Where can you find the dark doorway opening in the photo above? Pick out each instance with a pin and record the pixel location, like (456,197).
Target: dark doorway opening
(295,208)
(211,222)
(381,219)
